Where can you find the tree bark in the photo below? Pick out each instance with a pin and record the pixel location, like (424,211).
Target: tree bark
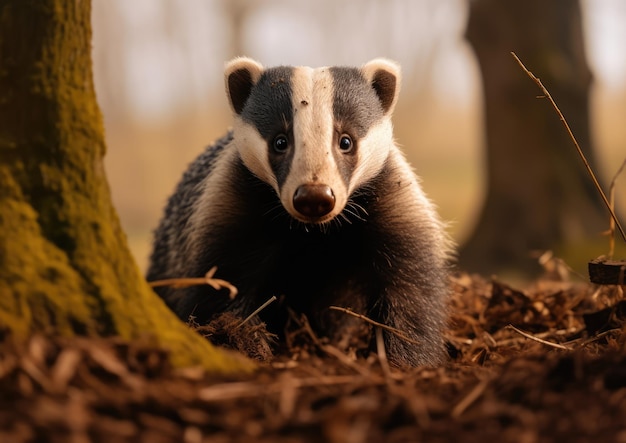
(64,264)
(539,196)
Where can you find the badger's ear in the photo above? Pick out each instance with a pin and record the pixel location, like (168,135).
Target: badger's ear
(384,76)
(241,74)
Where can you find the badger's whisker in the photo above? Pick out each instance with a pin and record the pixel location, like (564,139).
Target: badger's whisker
(357,206)
(275,212)
(353,209)
(342,216)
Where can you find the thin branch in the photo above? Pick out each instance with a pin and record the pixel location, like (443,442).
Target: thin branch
(382,353)
(539,340)
(569,131)
(391,329)
(596,337)
(470,398)
(215,283)
(612,201)
(345,360)
(332,351)
(245,389)
(256,311)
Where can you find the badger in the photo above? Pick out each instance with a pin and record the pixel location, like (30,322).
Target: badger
(309,198)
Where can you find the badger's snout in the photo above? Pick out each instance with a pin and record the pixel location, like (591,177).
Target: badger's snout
(314,201)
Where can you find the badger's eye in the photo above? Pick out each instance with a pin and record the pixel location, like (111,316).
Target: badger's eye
(280,144)
(345,143)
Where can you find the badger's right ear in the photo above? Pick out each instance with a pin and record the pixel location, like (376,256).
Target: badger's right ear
(241,74)
(384,76)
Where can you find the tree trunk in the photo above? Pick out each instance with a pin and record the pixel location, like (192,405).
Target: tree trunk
(64,264)
(539,196)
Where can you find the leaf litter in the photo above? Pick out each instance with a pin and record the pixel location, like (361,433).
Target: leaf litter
(542,364)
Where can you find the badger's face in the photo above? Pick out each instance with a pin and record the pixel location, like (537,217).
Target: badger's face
(314,135)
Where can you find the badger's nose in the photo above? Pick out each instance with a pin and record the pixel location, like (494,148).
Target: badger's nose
(314,201)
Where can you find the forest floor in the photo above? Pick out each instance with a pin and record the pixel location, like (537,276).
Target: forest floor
(545,364)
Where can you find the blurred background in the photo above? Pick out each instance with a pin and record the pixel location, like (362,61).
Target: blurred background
(158,71)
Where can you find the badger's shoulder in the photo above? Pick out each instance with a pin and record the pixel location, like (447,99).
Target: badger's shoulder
(170,232)
(187,188)
(399,209)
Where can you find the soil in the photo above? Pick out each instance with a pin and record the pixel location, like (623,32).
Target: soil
(543,364)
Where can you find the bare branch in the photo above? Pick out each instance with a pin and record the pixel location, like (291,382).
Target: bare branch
(539,340)
(215,283)
(391,329)
(569,131)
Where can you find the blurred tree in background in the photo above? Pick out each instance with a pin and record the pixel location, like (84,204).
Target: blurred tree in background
(539,195)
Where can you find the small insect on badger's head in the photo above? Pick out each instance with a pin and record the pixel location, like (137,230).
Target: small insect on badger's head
(314,135)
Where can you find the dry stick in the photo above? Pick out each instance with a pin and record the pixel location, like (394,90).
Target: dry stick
(569,131)
(612,201)
(391,329)
(539,340)
(469,399)
(215,283)
(563,332)
(241,390)
(256,311)
(345,360)
(334,352)
(382,354)
(597,337)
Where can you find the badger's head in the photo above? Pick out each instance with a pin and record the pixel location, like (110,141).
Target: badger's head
(314,135)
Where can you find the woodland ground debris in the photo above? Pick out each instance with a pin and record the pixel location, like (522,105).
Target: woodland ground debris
(559,374)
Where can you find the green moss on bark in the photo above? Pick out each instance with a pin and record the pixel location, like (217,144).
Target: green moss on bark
(64,263)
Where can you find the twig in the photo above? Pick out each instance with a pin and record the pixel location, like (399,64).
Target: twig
(215,283)
(569,131)
(382,354)
(469,399)
(333,351)
(539,340)
(345,360)
(256,311)
(547,259)
(597,337)
(241,390)
(612,201)
(391,329)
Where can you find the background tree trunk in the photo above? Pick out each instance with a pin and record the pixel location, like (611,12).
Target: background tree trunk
(64,264)
(539,196)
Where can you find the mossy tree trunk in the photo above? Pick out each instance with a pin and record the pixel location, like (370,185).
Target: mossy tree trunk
(64,264)
(539,195)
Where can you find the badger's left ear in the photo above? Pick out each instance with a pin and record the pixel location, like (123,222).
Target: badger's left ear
(241,74)
(384,76)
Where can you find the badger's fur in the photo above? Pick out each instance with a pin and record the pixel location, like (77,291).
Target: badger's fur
(308,198)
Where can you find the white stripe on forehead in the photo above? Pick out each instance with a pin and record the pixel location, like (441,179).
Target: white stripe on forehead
(313,125)
(313,130)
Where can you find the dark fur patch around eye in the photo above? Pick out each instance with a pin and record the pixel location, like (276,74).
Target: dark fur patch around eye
(269,107)
(281,163)
(270,111)
(356,105)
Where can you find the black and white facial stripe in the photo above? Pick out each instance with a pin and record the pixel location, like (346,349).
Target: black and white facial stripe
(314,135)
